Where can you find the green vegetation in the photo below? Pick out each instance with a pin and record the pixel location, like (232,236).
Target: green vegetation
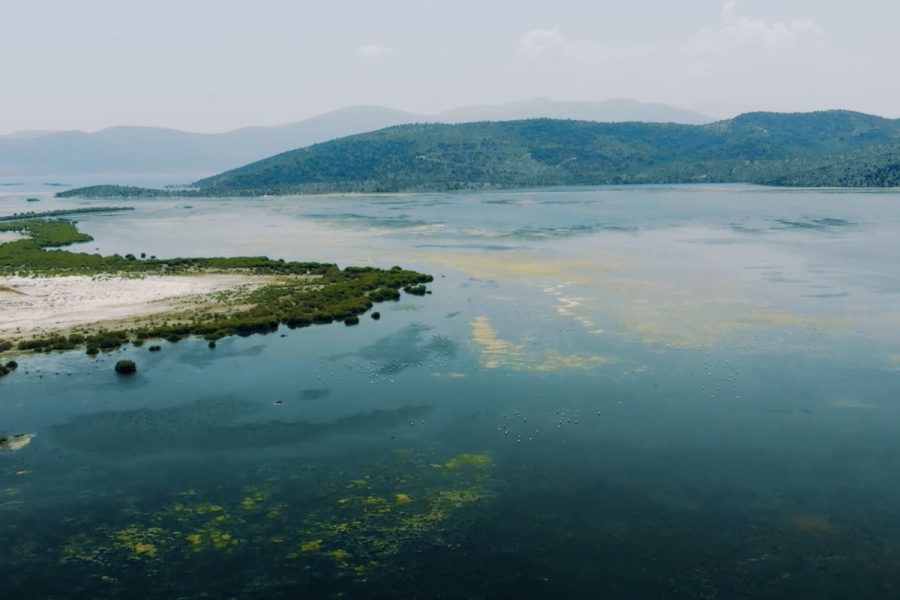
(126,367)
(296,294)
(8,368)
(815,149)
(415,290)
(64,213)
(115,191)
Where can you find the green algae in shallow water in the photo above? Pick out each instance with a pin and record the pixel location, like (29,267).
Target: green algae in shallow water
(350,526)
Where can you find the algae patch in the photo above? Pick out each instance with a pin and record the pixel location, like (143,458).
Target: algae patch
(499,353)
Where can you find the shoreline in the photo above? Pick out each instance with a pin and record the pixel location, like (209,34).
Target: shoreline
(38,306)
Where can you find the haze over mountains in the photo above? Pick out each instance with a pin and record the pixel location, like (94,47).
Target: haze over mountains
(827,148)
(136,150)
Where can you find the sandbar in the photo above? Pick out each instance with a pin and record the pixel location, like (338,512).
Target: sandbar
(31,306)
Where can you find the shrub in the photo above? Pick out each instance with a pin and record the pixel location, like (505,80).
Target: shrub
(415,290)
(154,348)
(351,321)
(376,315)
(126,367)
(12,365)
(92,351)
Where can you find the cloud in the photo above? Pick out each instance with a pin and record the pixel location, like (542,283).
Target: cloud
(374,52)
(547,43)
(735,32)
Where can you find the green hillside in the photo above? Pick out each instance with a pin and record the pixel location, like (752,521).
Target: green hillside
(831,148)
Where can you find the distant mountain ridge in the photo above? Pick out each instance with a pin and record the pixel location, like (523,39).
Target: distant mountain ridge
(131,150)
(828,148)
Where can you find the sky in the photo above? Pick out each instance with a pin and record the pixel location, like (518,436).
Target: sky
(216,65)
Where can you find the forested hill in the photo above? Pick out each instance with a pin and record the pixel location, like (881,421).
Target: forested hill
(832,148)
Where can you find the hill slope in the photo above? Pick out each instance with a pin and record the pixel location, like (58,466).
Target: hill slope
(617,110)
(142,150)
(822,148)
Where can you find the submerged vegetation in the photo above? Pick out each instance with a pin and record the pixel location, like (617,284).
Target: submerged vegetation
(295,294)
(352,529)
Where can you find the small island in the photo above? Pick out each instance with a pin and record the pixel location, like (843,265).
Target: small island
(126,367)
(111,301)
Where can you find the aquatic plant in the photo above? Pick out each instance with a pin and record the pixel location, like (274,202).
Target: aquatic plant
(126,367)
(352,529)
(415,290)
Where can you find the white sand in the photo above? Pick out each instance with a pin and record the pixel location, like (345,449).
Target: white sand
(11,236)
(17,441)
(44,304)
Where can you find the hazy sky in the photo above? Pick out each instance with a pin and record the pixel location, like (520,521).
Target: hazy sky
(213,65)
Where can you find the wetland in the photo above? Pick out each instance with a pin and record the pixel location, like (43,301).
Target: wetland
(653,391)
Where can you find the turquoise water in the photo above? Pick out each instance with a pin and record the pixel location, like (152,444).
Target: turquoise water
(666,392)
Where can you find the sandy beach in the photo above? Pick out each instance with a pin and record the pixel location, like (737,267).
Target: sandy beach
(33,306)
(11,236)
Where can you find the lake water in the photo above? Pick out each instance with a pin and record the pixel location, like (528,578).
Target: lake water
(646,392)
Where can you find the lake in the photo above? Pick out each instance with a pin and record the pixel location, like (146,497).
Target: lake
(618,392)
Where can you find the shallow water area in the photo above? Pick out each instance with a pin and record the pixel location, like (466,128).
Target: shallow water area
(669,392)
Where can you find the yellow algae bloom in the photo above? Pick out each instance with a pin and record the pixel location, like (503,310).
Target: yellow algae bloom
(221,539)
(374,501)
(470,460)
(249,503)
(341,557)
(203,509)
(499,353)
(457,498)
(139,541)
(340,527)
(495,352)
(311,546)
(193,539)
(554,361)
(401,498)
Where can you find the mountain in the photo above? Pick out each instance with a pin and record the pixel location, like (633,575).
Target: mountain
(150,150)
(813,149)
(609,111)
(134,150)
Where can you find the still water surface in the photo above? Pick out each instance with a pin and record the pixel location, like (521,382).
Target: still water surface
(660,392)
